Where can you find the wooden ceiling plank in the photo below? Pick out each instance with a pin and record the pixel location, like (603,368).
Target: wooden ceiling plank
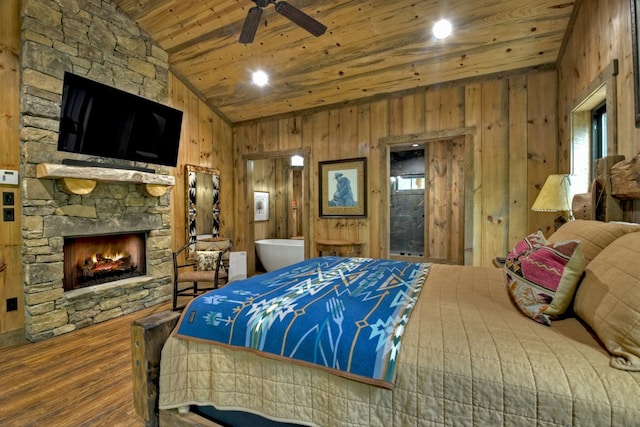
(324,69)
(369,48)
(431,74)
(346,60)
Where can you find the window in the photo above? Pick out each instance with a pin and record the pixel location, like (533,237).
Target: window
(403,183)
(589,142)
(599,137)
(592,126)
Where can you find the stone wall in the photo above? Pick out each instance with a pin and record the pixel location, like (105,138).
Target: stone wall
(92,38)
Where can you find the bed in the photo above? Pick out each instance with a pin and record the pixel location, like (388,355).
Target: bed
(471,353)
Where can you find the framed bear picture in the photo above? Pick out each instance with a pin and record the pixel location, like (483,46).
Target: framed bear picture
(343,188)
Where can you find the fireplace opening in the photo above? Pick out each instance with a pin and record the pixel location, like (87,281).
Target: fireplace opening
(93,260)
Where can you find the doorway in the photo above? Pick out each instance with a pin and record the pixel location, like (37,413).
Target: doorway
(407,195)
(286,190)
(427,200)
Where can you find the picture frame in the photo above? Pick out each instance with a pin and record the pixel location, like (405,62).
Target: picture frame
(635,33)
(260,206)
(342,185)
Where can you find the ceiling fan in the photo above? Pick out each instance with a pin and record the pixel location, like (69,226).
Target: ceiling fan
(283,8)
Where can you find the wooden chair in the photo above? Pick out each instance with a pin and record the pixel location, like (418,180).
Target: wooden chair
(208,263)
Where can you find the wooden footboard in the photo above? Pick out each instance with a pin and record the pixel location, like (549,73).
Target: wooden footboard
(147,338)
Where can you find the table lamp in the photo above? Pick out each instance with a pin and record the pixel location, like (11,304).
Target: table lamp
(555,196)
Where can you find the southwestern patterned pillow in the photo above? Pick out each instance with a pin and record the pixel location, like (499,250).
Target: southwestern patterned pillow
(542,276)
(206,260)
(532,241)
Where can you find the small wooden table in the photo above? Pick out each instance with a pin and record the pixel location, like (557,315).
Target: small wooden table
(339,247)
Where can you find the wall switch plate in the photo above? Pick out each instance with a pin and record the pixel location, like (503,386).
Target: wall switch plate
(8,214)
(7,198)
(8,177)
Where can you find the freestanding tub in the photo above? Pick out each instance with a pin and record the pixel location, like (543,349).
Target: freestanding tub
(278,253)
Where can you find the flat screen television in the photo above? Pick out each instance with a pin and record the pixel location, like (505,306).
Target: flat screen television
(100,120)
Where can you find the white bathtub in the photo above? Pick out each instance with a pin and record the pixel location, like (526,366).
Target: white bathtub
(278,253)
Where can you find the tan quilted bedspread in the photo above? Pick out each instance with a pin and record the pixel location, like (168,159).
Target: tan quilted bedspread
(469,357)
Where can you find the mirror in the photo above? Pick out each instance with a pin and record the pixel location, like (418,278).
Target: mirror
(203,203)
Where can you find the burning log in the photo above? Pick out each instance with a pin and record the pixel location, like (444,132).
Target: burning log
(104,265)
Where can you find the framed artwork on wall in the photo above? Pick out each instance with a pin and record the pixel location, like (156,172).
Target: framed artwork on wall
(261,206)
(342,185)
(635,33)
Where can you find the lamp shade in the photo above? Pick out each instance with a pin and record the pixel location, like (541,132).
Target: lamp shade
(555,195)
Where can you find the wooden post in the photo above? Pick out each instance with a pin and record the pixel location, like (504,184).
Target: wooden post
(147,338)
(606,207)
(625,179)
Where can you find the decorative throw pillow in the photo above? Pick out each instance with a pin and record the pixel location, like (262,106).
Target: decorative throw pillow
(542,279)
(608,300)
(206,260)
(532,241)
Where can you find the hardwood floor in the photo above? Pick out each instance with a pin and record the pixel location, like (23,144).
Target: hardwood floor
(78,379)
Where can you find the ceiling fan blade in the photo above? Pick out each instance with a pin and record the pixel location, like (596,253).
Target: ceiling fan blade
(250,25)
(299,17)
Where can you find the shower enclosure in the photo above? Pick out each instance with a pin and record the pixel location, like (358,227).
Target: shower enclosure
(407,196)
(428,203)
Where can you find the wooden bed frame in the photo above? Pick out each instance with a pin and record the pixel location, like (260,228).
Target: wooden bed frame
(614,189)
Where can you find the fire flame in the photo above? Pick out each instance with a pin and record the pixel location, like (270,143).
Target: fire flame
(115,256)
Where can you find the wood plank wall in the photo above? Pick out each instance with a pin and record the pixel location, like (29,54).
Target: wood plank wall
(515,140)
(11,323)
(601,34)
(205,141)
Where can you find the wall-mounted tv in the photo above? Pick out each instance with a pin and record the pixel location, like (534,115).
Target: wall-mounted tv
(100,120)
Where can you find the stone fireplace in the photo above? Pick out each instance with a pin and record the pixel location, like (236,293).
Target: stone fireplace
(93,39)
(53,306)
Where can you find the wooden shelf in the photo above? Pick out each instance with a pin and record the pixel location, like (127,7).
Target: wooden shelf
(82,180)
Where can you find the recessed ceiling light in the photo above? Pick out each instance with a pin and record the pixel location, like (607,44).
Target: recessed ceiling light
(442,29)
(260,78)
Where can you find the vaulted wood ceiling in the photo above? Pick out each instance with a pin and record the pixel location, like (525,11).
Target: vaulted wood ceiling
(370,48)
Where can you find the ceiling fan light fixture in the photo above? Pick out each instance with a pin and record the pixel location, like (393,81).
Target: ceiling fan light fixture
(250,25)
(300,18)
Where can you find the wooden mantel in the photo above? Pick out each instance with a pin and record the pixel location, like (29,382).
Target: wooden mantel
(82,180)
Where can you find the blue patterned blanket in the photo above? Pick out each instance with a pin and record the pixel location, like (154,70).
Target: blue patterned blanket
(346,315)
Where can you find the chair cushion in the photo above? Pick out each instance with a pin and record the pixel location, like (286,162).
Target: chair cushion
(542,277)
(197,276)
(608,300)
